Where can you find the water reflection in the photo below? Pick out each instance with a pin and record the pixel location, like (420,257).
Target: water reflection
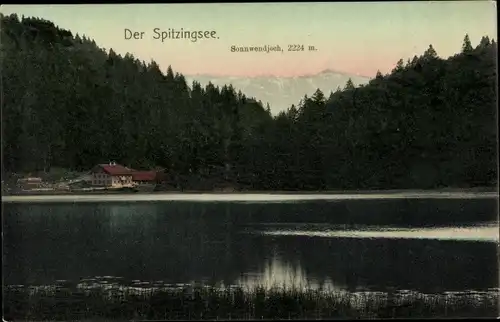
(279,273)
(184,242)
(487,233)
(123,218)
(275,274)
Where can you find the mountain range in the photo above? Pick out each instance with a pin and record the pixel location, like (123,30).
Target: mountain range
(282,92)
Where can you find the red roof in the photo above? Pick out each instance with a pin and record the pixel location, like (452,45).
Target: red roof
(115,169)
(144,175)
(118,170)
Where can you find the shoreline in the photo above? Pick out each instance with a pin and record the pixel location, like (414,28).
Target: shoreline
(243,191)
(270,196)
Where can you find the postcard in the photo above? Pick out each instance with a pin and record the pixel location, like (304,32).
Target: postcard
(248,161)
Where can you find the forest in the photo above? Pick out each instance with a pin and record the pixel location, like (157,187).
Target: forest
(66,103)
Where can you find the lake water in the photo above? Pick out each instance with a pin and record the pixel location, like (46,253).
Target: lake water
(428,245)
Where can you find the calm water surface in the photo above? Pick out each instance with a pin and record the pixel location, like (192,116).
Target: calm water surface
(373,245)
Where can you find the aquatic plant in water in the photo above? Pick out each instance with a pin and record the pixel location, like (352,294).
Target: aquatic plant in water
(92,300)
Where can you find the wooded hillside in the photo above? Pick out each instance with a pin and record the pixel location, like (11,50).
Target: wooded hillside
(68,103)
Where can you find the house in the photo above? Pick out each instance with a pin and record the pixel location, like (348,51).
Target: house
(112,175)
(141,177)
(30,183)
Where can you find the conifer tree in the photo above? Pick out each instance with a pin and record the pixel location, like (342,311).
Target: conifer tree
(399,66)
(430,53)
(466,46)
(433,118)
(349,85)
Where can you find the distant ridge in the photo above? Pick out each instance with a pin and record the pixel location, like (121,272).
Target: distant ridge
(280,91)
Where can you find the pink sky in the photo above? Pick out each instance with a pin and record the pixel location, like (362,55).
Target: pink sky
(351,37)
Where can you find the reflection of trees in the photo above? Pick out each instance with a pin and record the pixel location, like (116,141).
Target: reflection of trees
(277,272)
(51,241)
(424,265)
(387,212)
(183,241)
(192,240)
(137,219)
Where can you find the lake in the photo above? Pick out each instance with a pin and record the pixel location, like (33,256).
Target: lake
(427,245)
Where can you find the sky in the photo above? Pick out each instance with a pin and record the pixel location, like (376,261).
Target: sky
(358,38)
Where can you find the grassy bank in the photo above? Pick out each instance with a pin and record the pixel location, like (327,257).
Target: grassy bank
(235,303)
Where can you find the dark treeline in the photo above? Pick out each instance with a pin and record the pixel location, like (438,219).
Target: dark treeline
(69,104)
